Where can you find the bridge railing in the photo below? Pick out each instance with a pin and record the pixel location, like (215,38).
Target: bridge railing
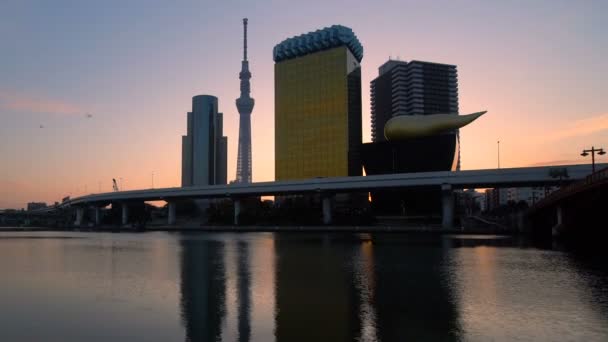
(597,176)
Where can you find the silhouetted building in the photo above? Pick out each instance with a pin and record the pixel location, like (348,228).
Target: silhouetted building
(204,148)
(411,88)
(318,105)
(423,154)
(496,197)
(36,205)
(530,195)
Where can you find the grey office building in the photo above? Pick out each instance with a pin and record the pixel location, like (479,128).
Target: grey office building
(412,88)
(204,147)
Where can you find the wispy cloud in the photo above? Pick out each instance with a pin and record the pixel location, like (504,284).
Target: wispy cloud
(36,104)
(581,128)
(558,162)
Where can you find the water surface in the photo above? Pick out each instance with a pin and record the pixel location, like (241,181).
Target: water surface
(295,287)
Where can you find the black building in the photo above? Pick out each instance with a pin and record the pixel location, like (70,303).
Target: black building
(411,88)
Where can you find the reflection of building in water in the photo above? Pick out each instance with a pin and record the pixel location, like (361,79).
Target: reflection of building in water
(203,289)
(413,300)
(316,299)
(218,280)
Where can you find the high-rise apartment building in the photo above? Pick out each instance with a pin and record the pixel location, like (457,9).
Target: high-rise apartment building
(204,147)
(318,105)
(412,88)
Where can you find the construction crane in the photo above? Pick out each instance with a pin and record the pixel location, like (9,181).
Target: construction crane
(114,185)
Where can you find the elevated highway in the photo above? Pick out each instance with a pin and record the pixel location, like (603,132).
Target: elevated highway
(447,180)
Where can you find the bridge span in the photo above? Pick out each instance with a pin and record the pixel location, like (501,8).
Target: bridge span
(447,180)
(577,210)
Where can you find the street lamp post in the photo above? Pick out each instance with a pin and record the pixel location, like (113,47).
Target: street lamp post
(498,148)
(593,150)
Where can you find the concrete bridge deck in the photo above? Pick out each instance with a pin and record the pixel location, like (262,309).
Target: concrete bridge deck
(446,180)
(490,178)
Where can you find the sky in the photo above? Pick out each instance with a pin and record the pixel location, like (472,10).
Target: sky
(538,67)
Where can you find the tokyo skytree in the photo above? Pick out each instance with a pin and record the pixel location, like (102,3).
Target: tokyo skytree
(244,104)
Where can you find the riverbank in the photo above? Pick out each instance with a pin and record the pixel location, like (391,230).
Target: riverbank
(431,229)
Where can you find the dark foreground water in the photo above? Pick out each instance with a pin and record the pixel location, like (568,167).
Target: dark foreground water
(295,287)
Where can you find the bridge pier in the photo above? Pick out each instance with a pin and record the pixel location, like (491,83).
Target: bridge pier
(125,214)
(171,213)
(79,216)
(237,211)
(326,205)
(97,216)
(447,206)
(556,230)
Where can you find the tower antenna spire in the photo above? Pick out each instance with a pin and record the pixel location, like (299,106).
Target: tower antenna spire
(244,39)
(244,104)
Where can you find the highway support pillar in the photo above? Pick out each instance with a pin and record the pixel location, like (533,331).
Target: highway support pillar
(237,211)
(326,205)
(97,216)
(79,216)
(447,206)
(171,213)
(125,214)
(556,230)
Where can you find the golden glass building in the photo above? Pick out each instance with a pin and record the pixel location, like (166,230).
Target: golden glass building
(318,105)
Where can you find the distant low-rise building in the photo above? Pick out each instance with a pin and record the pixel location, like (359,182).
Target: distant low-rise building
(471,201)
(36,206)
(496,197)
(530,195)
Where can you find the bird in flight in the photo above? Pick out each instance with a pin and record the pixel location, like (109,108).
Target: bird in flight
(89,115)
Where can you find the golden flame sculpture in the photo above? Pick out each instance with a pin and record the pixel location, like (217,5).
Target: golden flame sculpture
(413,126)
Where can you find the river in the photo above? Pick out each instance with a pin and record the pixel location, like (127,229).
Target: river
(158,286)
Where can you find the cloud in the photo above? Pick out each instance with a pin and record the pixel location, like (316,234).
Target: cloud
(36,104)
(558,162)
(581,128)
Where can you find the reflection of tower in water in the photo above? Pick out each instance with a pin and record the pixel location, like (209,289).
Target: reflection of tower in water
(244,295)
(216,287)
